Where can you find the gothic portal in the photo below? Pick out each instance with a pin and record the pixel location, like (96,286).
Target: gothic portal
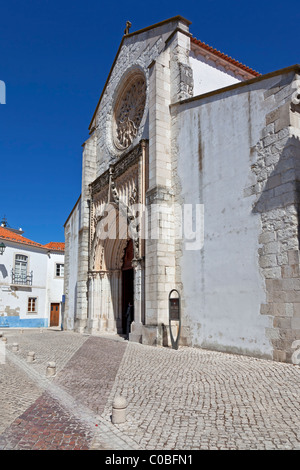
(116,271)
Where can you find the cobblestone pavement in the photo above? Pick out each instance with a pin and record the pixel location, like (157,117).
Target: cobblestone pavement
(177,400)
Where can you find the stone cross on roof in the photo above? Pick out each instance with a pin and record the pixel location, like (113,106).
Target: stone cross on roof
(128,26)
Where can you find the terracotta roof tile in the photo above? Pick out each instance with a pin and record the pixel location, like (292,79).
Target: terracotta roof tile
(58,246)
(15,237)
(6,234)
(224,57)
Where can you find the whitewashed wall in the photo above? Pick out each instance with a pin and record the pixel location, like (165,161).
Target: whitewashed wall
(72,228)
(222,285)
(14,299)
(55,284)
(208,77)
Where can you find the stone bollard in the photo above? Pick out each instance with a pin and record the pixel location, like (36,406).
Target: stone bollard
(30,356)
(119,410)
(15,347)
(51,369)
(4,339)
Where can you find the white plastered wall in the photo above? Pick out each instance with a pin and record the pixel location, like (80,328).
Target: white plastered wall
(72,228)
(208,77)
(222,284)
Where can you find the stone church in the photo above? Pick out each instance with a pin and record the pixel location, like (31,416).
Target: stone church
(188,217)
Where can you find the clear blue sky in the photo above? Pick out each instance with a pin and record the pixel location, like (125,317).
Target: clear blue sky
(55,57)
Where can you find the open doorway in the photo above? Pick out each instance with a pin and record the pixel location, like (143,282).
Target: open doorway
(127,284)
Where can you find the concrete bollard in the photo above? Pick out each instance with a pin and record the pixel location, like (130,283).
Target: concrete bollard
(30,356)
(15,347)
(51,369)
(4,339)
(119,410)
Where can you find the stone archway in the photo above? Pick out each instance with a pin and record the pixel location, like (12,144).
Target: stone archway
(115,196)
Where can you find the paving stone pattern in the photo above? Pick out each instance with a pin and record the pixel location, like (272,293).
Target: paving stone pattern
(196,399)
(45,425)
(90,374)
(177,400)
(17,393)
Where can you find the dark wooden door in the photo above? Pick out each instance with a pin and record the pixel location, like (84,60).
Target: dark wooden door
(127,283)
(127,294)
(54,315)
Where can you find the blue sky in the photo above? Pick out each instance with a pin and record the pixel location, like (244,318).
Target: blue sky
(55,57)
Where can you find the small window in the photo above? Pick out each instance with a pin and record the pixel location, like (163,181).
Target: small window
(60,270)
(32,304)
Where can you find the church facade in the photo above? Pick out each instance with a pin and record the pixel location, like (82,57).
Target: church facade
(189,189)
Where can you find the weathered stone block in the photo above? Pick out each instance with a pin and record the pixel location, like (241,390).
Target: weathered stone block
(290,271)
(293,257)
(267,237)
(284,188)
(272,333)
(272,273)
(267,309)
(271,248)
(296,309)
(282,259)
(267,261)
(295,323)
(279,309)
(288,175)
(279,356)
(280,322)
(280,296)
(292,296)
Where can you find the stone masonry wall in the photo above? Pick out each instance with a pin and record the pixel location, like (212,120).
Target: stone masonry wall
(277,188)
(88,175)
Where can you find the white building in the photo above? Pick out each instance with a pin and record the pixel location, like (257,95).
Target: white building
(190,134)
(31,281)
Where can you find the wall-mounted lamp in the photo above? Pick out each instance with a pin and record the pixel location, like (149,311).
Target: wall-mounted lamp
(2,248)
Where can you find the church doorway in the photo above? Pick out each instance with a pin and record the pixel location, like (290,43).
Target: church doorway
(127,284)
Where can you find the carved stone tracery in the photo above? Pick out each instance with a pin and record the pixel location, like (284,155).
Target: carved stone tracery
(117,188)
(129,112)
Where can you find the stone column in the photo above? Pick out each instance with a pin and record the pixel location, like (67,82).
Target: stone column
(137,326)
(93,302)
(102,319)
(111,322)
(90,300)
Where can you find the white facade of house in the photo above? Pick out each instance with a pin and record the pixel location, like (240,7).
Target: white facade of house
(181,125)
(31,282)
(72,230)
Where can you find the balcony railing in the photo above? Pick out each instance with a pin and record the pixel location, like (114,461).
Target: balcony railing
(22,279)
